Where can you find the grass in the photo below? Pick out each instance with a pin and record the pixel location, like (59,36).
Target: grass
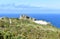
(26,29)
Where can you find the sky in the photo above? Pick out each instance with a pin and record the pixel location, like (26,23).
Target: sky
(30,6)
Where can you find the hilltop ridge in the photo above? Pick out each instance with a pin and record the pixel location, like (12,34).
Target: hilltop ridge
(15,28)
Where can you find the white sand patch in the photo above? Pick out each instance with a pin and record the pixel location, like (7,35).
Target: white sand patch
(41,22)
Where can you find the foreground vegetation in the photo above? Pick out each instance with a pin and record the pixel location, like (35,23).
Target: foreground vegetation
(26,29)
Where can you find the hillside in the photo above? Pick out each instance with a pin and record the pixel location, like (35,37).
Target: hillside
(26,29)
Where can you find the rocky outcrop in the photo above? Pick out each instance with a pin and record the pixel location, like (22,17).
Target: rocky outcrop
(27,17)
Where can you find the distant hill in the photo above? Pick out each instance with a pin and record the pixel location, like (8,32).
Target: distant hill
(26,29)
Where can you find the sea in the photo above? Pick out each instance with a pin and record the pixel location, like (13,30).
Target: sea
(54,19)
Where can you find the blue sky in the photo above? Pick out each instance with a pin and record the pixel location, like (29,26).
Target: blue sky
(30,6)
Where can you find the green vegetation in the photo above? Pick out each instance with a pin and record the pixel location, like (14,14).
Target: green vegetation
(26,29)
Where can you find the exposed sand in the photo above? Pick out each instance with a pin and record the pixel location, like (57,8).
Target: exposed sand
(41,22)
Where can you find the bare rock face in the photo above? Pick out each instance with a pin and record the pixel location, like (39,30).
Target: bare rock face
(34,20)
(27,17)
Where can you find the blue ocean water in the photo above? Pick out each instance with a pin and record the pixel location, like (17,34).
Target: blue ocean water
(54,19)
